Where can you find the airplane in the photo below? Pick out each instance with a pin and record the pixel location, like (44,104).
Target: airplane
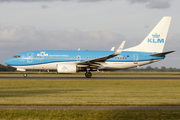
(72,61)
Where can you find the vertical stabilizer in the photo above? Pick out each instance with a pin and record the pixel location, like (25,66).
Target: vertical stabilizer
(156,39)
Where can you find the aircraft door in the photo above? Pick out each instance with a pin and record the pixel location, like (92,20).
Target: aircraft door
(78,58)
(29,57)
(135,58)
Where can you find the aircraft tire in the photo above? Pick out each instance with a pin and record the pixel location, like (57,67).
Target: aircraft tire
(88,74)
(25,75)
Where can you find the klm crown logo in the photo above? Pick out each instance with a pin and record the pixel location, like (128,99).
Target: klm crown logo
(155,39)
(156,35)
(64,67)
(42,54)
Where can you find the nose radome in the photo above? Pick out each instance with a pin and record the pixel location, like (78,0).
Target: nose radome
(8,61)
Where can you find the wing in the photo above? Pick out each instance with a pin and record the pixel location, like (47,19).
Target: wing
(103,59)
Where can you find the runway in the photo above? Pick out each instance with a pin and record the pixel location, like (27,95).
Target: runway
(93,78)
(93,107)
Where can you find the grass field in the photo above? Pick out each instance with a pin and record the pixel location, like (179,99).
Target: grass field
(95,73)
(90,92)
(90,114)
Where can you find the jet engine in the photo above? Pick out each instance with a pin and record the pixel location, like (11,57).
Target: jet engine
(66,68)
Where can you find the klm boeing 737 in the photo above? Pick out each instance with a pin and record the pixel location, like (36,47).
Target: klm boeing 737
(148,51)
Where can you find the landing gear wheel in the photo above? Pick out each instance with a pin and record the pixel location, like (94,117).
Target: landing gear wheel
(25,75)
(88,74)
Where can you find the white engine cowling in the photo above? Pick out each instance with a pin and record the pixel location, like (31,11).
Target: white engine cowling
(66,68)
(22,70)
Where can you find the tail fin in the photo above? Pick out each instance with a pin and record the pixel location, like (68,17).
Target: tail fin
(156,39)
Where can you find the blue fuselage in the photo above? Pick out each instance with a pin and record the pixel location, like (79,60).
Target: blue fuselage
(34,58)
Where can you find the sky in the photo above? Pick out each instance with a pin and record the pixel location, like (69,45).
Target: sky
(27,25)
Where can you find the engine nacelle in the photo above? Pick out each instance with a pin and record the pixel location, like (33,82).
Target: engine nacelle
(66,68)
(22,70)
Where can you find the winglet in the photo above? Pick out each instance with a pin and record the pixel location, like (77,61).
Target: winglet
(120,48)
(112,49)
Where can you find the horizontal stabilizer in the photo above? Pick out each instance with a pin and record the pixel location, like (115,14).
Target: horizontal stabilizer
(163,53)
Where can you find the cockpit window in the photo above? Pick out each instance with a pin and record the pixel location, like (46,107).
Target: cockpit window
(16,56)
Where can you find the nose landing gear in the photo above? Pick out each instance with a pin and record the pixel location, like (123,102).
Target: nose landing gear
(25,75)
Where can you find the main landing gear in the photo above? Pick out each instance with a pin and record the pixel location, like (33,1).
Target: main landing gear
(25,75)
(88,74)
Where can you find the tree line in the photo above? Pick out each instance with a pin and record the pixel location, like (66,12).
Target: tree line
(155,69)
(6,68)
